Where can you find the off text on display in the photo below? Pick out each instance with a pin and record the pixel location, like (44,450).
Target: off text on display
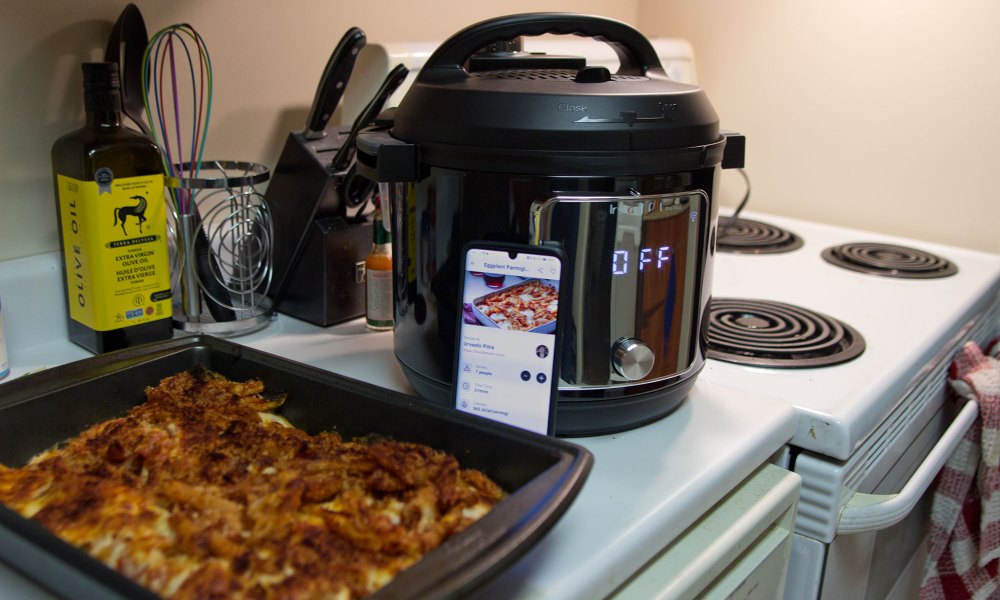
(644,258)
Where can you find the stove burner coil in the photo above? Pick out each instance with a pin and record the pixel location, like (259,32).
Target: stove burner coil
(745,236)
(765,333)
(889,260)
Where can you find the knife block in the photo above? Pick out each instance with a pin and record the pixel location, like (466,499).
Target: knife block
(327,285)
(301,177)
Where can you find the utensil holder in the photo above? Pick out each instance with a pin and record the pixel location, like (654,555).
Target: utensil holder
(222,248)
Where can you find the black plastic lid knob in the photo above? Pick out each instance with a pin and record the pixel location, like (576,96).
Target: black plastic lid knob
(592,75)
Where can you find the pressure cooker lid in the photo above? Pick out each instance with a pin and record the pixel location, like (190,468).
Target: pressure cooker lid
(545,105)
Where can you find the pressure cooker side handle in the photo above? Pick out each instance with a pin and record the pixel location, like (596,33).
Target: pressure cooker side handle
(634,51)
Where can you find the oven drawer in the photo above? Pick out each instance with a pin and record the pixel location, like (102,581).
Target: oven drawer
(739,549)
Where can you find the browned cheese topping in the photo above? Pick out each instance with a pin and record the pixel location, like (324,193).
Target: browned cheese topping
(202,492)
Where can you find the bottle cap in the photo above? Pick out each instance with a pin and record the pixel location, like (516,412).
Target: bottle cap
(101,88)
(100,74)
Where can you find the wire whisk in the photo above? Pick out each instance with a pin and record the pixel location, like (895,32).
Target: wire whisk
(173,101)
(221,229)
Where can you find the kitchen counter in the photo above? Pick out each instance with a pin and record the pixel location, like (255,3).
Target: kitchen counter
(647,486)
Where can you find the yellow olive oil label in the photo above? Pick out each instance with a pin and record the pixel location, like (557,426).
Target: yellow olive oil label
(114,234)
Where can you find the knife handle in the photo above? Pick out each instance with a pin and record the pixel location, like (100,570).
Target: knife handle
(392,81)
(331,85)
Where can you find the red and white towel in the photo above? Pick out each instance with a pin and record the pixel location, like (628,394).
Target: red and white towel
(964,544)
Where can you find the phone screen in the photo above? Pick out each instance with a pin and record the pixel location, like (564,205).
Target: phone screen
(505,367)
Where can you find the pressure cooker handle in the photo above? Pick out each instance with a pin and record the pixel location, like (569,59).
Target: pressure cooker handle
(634,51)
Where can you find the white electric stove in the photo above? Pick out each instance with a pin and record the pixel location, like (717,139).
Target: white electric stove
(904,323)
(865,425)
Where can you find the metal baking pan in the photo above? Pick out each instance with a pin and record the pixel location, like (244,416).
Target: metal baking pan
(546,327)
(542,474)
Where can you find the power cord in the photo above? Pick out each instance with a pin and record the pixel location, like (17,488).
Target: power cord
(739,208)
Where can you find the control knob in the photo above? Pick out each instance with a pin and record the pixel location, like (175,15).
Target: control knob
(632,358)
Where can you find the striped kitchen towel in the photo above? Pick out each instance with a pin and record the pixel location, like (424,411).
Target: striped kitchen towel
(964,542)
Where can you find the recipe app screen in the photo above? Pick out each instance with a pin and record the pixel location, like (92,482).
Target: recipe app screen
(507,337)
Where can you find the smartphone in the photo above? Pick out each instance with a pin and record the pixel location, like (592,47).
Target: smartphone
(508,333)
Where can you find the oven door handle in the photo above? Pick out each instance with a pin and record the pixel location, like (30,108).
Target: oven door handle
(872,512)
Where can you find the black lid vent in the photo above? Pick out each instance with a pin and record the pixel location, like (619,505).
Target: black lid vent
(542,74)
(744,236)
(889,260)
(765,333)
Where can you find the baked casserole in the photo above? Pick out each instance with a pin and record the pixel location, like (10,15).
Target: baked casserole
(204,491)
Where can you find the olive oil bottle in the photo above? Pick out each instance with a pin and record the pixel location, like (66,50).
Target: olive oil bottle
(112,224)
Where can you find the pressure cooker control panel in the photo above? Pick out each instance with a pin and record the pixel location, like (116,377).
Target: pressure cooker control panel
(634,261)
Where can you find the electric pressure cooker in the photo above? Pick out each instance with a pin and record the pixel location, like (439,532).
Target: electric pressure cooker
(619,169)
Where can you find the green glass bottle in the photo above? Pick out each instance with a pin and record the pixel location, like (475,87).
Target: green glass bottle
(112,224)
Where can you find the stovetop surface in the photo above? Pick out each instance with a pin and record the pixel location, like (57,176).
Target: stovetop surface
(905,324)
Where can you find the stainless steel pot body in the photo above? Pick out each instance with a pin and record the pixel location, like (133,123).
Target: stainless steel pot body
(640,256)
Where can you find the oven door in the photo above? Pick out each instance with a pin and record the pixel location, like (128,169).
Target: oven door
(878,552)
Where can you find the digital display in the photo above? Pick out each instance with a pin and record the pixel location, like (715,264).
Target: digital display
(642,259)
(506,353)
(647,254)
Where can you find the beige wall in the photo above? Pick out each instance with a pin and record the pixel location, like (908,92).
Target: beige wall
(880,115)
(867,113)
(267,58)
